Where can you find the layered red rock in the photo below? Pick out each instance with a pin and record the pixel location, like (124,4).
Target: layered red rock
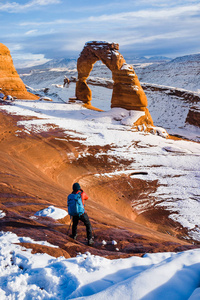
(127,91)
(10,82)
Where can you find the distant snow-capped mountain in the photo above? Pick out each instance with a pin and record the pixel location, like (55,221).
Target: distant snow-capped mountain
(143,59)
(187,58)
(72,62)
(159,58)
(59,63)
(53,63)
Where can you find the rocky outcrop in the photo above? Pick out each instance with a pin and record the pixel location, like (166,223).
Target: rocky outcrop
(193,117)
(127,91)
(10,82)
(189,96)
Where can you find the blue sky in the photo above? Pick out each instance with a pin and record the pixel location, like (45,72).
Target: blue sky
(37,30)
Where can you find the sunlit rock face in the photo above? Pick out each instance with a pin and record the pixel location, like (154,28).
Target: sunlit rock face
(10,82)
(127,91)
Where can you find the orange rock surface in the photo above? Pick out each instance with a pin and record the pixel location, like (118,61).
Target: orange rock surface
(127,91)
(38,170)
(10,82)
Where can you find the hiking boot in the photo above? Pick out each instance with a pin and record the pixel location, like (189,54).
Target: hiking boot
(74,237)
(90,242)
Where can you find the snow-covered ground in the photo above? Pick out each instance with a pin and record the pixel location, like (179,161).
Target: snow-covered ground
(165,276)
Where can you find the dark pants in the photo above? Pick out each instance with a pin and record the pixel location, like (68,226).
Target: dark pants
(85,219)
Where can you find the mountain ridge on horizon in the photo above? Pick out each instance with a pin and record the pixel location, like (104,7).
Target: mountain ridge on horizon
(66,62)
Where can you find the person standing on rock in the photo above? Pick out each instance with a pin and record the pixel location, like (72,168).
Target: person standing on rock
(76,210)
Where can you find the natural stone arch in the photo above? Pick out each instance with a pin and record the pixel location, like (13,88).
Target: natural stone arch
(127,91)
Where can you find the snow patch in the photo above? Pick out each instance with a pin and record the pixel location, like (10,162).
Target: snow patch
(114,242)
(176,149)
(127,67)
(2,214)
(45,98)
(133,116)
(52,212)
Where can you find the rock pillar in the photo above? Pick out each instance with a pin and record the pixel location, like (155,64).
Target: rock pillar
(10,82)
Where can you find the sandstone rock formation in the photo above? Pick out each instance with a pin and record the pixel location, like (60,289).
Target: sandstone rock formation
(127,91)
(38,169)
(10,82)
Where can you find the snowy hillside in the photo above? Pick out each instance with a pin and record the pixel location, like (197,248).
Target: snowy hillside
(182,72)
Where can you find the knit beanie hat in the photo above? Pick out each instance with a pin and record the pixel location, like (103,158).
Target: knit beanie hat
(76,187)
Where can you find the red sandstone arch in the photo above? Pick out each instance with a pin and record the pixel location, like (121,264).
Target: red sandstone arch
(127,91)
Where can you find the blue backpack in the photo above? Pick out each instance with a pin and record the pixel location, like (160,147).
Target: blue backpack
(75,205)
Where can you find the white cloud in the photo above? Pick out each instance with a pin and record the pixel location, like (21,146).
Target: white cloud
(28,59)
(128,17)
(45,2)
(15,7)
(154,25)
(148,14)
(31,32)
(153,38)
(14,47)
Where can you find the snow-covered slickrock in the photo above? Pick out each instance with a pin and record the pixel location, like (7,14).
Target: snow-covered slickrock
(127,91)
(10,82)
